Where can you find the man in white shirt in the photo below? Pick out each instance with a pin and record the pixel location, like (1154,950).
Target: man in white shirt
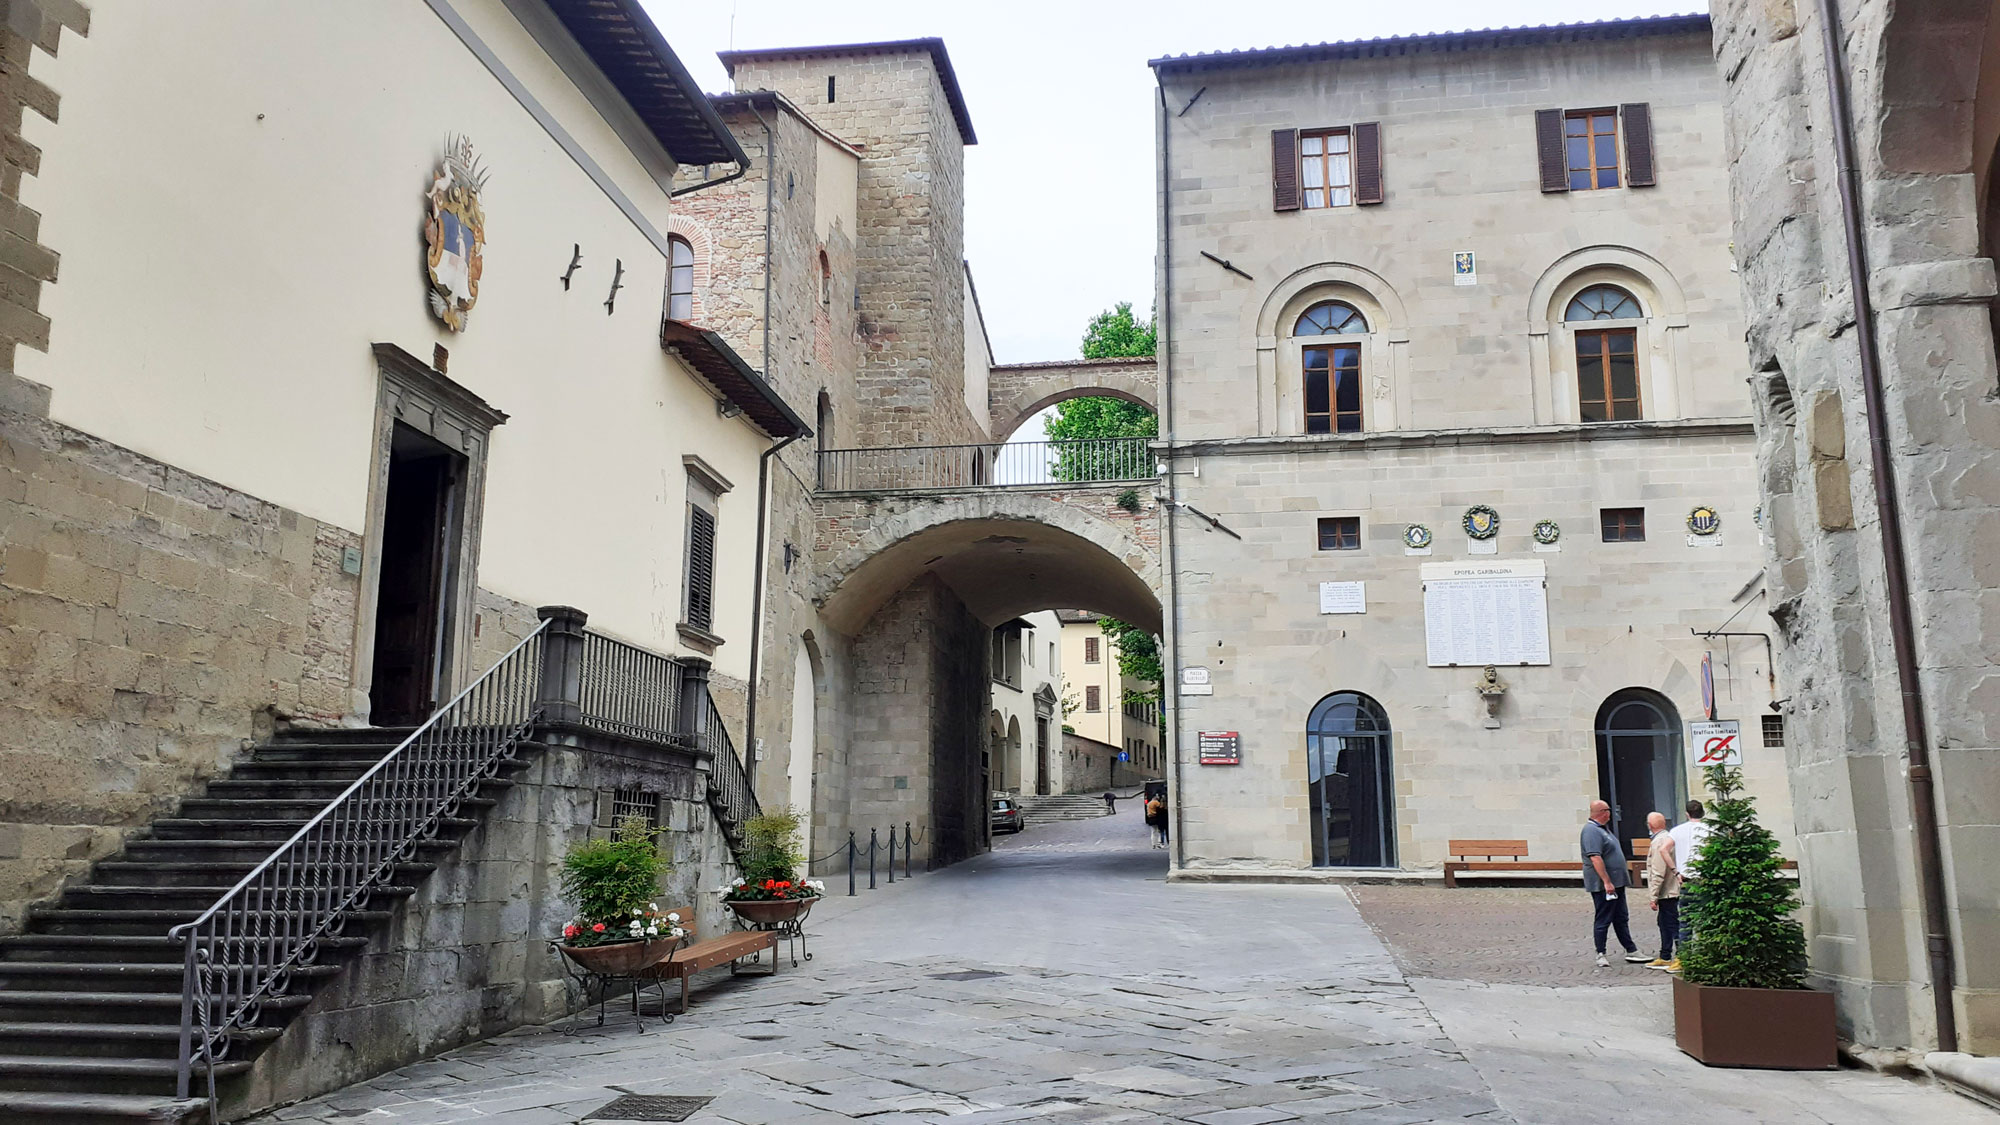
(1688,836)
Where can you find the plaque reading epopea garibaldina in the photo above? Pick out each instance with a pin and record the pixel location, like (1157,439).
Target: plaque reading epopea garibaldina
(1218,748)
(1486,613)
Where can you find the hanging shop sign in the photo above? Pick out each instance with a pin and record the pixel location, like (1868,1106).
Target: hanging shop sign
(1219,747)
(455,234)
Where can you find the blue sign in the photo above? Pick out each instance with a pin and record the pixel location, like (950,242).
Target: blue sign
(1124,756)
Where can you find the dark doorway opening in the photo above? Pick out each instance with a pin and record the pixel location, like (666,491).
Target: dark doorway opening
(422,514)
(1041,757)
(1351,783)
(1639,761)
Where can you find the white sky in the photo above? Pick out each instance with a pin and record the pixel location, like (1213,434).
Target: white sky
(1059,190)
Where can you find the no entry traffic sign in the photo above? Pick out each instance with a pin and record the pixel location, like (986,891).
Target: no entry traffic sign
(1718,743)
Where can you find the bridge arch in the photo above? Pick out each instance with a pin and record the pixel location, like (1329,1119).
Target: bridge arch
(1017,392)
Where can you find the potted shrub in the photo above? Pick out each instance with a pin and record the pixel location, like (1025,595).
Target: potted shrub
(772,889)
(1741,997)
(612,880)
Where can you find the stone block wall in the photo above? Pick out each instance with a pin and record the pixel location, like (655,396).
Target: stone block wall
(25,264)
(153,623)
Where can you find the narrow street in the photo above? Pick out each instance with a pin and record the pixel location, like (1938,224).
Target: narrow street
(1060,979)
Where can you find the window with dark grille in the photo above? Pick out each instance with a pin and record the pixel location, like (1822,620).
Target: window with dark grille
(1774,731)
(1340,533)
(1090,650)
(1623,525)
(1093,699)
(680,279)
(635,802)
(1590,141)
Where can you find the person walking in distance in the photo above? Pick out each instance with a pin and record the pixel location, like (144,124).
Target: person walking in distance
(1605,876)
(1156,819)
(1110,803)
(1688,837)
(1663,878)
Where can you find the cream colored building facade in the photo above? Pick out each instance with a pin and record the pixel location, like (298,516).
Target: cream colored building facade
(1390,354)
(1103,704)
(1024,732)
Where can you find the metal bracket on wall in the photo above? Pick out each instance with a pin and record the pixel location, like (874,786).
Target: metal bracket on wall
(1228,265)
(617,283)
(575,259)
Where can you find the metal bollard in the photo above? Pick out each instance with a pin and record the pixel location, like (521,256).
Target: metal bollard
(892,857)
(908,846)
(850,865)
(871,859)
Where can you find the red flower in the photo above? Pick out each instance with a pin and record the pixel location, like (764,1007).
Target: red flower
(598,928)
(786,883)
(571,930)
(770,884)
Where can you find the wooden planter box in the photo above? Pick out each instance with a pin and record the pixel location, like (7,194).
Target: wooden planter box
(1770,1028)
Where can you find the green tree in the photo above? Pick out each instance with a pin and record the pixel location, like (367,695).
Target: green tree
(1116,332)
(1746,932)
(1117,431)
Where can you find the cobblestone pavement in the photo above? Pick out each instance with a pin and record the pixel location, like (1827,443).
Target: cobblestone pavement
(1060,979)
(1523,935)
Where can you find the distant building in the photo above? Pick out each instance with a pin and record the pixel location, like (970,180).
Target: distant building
(1024,733)
(1113,713)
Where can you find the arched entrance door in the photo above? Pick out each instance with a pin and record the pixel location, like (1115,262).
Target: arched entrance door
(1351,785)
(1639,760)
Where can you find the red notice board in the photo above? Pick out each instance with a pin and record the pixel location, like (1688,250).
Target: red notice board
(1219,747)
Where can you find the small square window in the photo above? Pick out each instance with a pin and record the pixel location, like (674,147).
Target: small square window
(1774,731)
(1624,525)
(1340,533)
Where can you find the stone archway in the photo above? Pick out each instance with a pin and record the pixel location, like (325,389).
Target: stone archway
(1016,392)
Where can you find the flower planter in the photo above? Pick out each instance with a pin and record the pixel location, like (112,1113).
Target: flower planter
(1770,1028)
(618,958)
(766,912)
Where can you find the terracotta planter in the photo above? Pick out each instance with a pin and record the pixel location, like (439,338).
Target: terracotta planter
(772,911)
(617,958)
(1770,1028)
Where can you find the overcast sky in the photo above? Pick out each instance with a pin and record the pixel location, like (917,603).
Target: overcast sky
(1059,190)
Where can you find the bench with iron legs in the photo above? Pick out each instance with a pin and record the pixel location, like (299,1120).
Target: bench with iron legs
(730,949)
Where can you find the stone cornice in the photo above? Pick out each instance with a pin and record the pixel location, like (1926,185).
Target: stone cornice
(1485,435)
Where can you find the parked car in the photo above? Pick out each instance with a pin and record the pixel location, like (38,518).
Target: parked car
(1008,816)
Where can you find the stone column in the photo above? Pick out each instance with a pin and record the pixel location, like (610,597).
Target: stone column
(693,712)
(561,693)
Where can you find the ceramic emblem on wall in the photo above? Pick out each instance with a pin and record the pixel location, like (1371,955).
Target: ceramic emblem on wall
(455,234)
(1416,536)
(1547,532)
(1481,522)
(1704,520)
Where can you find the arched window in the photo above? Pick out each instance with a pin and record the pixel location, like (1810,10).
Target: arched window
(1351,787)
(680,279)
(1332,369)
(1607,359)
(825,282)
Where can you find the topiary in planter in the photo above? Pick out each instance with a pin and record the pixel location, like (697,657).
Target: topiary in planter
(1746,934)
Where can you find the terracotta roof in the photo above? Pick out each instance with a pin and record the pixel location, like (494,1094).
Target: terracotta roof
(720,367)
(1438,41)
(946,76)
(627,46)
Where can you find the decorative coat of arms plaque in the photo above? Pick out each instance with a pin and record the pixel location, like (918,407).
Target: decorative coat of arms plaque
(1416,537)
(1547,532)
(1481,522)
(455,234)
(1704,521)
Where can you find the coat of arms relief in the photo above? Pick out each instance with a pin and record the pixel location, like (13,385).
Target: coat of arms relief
(455,234)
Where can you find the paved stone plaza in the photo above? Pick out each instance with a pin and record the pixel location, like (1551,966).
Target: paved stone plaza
(1114,997)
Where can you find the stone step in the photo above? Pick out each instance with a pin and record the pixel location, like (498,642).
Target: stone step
(387,737)
(115,1040)
(207,873)
(297,809)
(246,853)
(38,1005)
(318,792)
(147,921)
(110,976)
(59,1074)
(266,827)
(117,896)
(54,1108)
(123,947)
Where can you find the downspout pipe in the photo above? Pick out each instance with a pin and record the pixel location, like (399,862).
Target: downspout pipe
(1895,574)
(1170,691)
(750,754)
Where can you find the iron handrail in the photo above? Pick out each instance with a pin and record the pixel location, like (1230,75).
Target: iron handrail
(240,952)
(1015,464)
(630,691)
(726,774)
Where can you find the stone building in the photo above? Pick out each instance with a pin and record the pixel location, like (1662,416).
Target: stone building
(1111,712)
(355,360)
(1024,731)
(1876,460)
(1450,387)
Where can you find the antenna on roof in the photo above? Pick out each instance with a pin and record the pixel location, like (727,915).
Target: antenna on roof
(732,26)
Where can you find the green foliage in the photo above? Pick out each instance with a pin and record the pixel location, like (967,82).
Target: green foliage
(1118,333)
(609,878)
(771,846)
(1080,418)
(1138,651)
(1129,500)
(1745,931)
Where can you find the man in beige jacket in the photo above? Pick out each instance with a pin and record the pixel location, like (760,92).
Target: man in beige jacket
(1663,877)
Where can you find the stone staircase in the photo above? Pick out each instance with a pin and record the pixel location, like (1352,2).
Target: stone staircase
(1075,806)
(90,991)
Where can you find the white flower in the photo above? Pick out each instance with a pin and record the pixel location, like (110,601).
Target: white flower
(675,917)
(738,882)
(653,906)
(652,931)
(679,933)
(636,912)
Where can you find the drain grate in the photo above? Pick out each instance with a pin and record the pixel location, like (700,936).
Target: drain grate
(648,1107)
(967,974)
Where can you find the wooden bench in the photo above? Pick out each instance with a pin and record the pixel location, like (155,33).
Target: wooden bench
(1643,848)
(1517,863)
(695,956)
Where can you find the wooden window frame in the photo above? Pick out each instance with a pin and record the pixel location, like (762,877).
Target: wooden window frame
(680,299)
(1091,652)
(1093,700)
(1332,419)
(1346,533)
(1608,402)
(1615,525)
(705,488)
(1598,172)
(1324,158)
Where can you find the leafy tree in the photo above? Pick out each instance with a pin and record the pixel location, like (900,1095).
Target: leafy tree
(1117,332)
(1746,934)
(1138,652)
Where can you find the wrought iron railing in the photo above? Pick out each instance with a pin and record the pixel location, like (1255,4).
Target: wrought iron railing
(631,691)
(1000,465)
(240,953)
(729,787)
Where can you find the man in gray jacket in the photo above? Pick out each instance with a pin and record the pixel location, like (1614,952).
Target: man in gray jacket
(1605,876)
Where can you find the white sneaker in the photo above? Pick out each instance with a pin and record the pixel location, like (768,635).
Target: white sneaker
(1636,958)
(1603,962)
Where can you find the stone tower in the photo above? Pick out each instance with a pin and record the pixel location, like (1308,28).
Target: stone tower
(900,104)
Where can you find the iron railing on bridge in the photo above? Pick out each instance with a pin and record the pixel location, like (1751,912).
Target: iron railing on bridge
(998,465)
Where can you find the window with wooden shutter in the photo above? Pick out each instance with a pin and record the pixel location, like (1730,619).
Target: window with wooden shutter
(1093,700)
(1368,163)
(1284,169)
(701,569)
(1090,650)
(1549,149)
(1638,144)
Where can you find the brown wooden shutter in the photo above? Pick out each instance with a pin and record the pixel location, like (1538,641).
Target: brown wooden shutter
(1549,149)
(1368,162)
(1638,144)
(701,569)
(1284,169)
